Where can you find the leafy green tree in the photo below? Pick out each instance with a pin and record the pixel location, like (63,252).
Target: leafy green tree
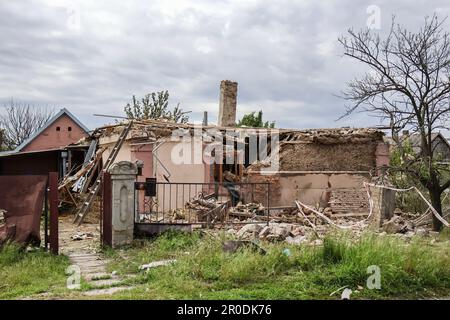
(155,106)
(255,120)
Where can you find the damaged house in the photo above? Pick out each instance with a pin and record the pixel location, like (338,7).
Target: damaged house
(324,168)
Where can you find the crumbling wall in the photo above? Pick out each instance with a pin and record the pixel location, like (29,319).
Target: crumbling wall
(318,188)
(325,168)
(328,157)
(343,192)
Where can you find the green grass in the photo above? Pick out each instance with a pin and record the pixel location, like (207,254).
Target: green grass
(23,274)
(414,269)
(203,270)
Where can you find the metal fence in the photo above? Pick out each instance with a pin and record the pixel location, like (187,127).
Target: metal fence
(199,203)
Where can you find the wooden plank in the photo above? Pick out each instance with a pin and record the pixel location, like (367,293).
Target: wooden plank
(71,196)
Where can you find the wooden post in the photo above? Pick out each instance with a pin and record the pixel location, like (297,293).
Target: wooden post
(53,200)
(107,210)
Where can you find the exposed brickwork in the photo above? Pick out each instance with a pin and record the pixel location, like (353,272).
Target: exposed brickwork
(349,201)
(227,103)
(331,157)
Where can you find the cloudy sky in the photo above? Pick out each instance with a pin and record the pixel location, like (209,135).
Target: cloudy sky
(92,56)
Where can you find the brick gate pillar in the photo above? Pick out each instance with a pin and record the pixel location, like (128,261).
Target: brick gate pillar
(123,176)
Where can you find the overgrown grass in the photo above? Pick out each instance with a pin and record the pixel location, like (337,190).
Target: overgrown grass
(204,271)
(420,268)
(23,273)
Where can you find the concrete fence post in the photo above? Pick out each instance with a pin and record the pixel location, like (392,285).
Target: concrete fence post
(383,205)
(123,176)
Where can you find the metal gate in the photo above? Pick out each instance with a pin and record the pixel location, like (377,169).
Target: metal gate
(200,203)
(27,199)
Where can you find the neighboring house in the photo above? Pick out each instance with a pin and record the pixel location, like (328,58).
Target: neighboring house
(48,149)
(440,145)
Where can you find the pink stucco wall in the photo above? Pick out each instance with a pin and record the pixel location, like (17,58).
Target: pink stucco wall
(51,138)
(143,153)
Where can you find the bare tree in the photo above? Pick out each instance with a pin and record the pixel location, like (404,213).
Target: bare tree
(19,121)
(408,84)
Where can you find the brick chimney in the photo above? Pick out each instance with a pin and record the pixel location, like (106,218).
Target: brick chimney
(227,103)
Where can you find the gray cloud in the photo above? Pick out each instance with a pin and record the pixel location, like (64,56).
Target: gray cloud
(91,56)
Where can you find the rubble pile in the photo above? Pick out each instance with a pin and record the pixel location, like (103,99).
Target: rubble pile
(293,215)
(249,210)
(82,236)
(332,136)
(208,208)
(299,225)
(274,232)
(179,215)
(79,184)
(401,223)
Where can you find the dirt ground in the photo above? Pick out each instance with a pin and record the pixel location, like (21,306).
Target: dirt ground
(88,235)
(90,232)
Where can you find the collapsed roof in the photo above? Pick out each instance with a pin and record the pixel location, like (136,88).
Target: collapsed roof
(156,129)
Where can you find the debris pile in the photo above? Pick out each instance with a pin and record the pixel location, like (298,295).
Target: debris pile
(274,232)
(208,208)
(75,187)
(82,236)
(179,215)
(249,210)
(397,224)
(332,136)
(403,224)
(295,214)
